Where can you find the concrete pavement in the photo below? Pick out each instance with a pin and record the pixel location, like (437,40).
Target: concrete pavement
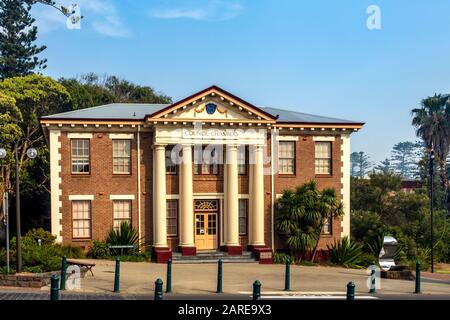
(137,279)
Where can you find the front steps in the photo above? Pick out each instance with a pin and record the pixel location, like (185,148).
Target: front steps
(213,257)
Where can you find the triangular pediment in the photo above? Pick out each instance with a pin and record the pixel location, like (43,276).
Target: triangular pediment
(212,104)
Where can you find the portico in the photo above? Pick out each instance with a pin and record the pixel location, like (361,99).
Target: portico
(209,228)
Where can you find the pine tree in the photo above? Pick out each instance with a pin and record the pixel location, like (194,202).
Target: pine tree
(18,53)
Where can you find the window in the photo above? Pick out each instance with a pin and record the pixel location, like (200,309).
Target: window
(328,226)
(206,161)
(121,156)
(172,217)
(286,156)
(323,157)
(171,167)
(242,160)
(243,212)
(80,156)
(81,219)
(121,213)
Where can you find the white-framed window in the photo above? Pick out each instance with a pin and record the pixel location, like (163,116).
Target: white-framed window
(242,159)
(121,213)
(209,162)
(121,156)
(81,219)
(171,167)
(243,215)
(328,226)
(323,157)
(286,157)
(172,217)
(80,153)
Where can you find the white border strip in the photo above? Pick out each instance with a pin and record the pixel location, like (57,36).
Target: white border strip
(121,136)
(55,184)
(77,135)
(323,138)
(121,197)
(287,138)
(81,197)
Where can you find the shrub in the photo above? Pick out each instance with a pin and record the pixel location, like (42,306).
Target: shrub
(45,236)
(99,250)
(344,253)
(125,236)
(366,259)
(139,257)
(281,257)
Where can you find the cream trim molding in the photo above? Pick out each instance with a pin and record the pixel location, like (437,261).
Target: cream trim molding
(55,184)
(81,197)
(121,136)
(77,135)
(345,182)
(121,197)
(287,138)
(323,138)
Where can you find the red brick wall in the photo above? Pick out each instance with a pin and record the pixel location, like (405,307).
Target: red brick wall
(305,171)
(101,182)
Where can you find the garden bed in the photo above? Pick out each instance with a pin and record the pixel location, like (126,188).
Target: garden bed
(31,280)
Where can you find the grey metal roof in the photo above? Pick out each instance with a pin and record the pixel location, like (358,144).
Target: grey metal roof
(294,116)
(138,111)
(125,111)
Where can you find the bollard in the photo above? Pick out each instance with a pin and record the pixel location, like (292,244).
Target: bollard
(62,285)
(287,276)
(256,290)
(117,276)
(169,276)
(350,291)
(54,290)
(158,289)
(417,277)
(373,279)
(219,276)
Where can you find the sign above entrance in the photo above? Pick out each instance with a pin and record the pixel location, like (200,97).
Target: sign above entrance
(197,134)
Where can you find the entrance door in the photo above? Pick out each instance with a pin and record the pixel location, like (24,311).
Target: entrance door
(206,230)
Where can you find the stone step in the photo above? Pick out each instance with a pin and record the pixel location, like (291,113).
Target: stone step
(213,257)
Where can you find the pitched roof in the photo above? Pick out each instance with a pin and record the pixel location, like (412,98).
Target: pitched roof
(116,111)
(288,116)
(138,111)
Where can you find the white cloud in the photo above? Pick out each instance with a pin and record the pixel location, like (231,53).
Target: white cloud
(205,10)
(101,15)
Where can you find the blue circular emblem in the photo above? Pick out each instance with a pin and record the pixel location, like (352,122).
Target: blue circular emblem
(211,108)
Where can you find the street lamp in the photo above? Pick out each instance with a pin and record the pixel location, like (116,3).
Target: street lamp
(431,172)
(31,153)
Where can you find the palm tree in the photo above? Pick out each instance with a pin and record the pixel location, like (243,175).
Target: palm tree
(432,123)
(300,216)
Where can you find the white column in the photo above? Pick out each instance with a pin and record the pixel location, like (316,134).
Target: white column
(186,199)
(256,236)
(231,202)
(159,197)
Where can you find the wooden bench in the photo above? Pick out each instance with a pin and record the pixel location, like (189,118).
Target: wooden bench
(79,263)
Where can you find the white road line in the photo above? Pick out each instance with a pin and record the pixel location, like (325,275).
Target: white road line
(319,297)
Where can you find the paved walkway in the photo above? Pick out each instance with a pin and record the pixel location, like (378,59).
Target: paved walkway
(137,279)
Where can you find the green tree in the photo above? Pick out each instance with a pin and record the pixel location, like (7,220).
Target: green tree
(384,166)
(360,164)
(91,90)
(18,53)
(405,156)
(300,216)
(28,98)
(432,123)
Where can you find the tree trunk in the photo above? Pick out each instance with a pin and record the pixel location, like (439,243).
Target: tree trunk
(317,244)
(444,179)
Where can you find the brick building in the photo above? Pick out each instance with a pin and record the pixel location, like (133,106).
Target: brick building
(199,174)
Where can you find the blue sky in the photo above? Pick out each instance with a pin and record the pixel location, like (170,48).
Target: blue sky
(310,56)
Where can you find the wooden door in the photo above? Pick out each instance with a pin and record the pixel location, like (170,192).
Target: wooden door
(206,231)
